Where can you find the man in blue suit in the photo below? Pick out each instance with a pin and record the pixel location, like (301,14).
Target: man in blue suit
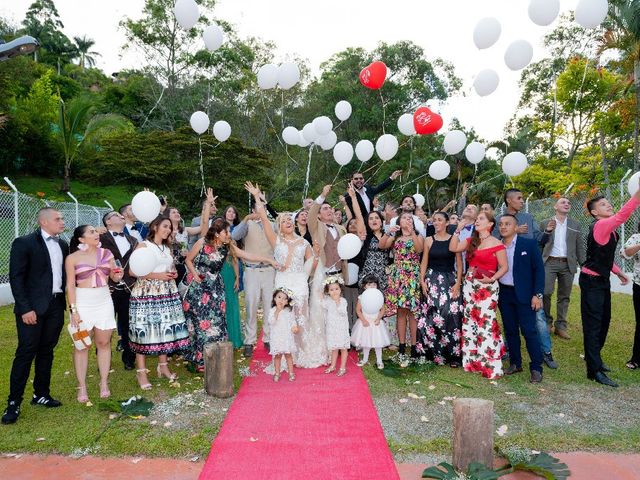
(521,290)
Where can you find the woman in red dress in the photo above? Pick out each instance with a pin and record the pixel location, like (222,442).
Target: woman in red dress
(482,344)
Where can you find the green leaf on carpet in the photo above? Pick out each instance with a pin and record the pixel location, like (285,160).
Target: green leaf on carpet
(133,407)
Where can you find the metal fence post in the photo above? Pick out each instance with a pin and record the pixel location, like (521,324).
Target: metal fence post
(526,203)
(99,216)
(16,212)
(109,205)
(622,232)
(76,202)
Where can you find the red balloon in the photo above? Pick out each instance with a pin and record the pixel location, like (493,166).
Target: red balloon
(426,122)
(374,75)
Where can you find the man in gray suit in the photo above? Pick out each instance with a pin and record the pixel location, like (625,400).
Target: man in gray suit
(563,252)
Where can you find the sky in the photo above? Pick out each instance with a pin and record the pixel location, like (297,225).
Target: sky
(316,30)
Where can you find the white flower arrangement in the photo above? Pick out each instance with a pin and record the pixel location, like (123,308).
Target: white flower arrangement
(333,279)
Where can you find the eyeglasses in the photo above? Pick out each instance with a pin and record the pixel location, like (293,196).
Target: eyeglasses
(114,214)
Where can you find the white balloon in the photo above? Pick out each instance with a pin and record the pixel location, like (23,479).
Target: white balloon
(290,135)
(221,130)
(487,32)
(419,199)
(591,13)
(405,124)
(475,152)
(142,261)
(343,153)
(187,13)
(343,110)
(328,141)
(212,37)
(349,246)
(323,125)
(439,170)
(364,150)
(371,301)
(288,75)
(486,82)
(145,206)
(632,184)
(199,122)
(514,163)
(352,277)
(303,142)
(268,76)
(387,147)
(454,142)
(543,12)
(518,55)
(309,133)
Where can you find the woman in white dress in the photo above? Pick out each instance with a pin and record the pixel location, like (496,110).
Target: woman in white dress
(297,260)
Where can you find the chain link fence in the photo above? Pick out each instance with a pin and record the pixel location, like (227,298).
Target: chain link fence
(18,217)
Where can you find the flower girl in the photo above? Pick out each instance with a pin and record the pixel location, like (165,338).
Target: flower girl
(283,328)
(336,323)
(370,331)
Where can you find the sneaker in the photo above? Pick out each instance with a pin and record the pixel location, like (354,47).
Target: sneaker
(549,361)
(119,346)
(12,413)
(380,366)
(248,351)
(45,401)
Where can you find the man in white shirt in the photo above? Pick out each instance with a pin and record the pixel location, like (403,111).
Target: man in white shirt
(408,205)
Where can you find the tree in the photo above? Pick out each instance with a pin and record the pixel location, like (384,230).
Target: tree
(83,45)
(78,128)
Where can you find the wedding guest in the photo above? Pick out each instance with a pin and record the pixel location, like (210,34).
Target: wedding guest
(156,323)
(337,323)
(630,251)
(408,205)
(232,278)
(366,193)
(482,343)
(307,203)
(527,226)
(337,216)
(121,245)
(130,222)
(464,229)
(563,253)
(355,226)
(390,211)
(88,268)
(441,310)
(520,298)
(403,286)
(487,208)
(595,286)
(370,330)
(37,279)
(301,227)
(180,240)
(196,221)
(284,326)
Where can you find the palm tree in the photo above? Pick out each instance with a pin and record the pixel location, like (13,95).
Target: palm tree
(79,127)
(83,45)
(623,35)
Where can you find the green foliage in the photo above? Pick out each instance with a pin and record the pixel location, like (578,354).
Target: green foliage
(133,407)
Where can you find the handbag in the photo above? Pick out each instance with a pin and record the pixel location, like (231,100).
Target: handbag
(80,336)
(479,272)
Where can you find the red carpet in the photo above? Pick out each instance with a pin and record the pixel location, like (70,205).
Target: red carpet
(318,427)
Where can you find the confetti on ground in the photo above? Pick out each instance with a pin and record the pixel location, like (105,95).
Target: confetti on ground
(111,371)
(174,384)
(112,416)
(509,393)
(432,387)
(403,400)
(153,422)
(449,399)
(493,382)
(67,372)
(502,430)
(561,415)
(252,439)
(88,404)
(424,419)
(136,460)
(194,459)
(442,403)
(417,382)
(412,395)
(167,424)
(40,439)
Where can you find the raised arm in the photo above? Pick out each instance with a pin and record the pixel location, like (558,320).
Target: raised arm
(384,185)
(455,245)
(604,227)
(260,208)
(250,257)
(206,212)
(360,225)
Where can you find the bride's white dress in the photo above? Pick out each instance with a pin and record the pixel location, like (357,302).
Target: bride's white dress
(312,350)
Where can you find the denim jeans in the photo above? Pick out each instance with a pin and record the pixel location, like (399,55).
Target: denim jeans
(543,331)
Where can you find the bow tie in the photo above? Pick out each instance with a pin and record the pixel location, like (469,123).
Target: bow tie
(55,239)
(115,234)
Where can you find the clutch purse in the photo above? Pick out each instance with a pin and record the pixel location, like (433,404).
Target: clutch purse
(479,273)
(80,336)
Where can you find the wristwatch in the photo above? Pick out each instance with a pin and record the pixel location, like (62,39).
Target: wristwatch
(539,295)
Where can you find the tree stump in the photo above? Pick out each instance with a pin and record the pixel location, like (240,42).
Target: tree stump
(218,369)
(472,432)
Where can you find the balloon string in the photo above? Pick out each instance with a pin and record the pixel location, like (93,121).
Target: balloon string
(584,76)
(336,177)
(306,181)
(283,144)
(384,111)
(410,161)
(338,125)
(154,107)
(212,146)
(201,165)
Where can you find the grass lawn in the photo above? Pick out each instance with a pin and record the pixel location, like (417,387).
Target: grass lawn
(565,412)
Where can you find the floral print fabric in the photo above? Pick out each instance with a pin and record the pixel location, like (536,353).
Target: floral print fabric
(403,288)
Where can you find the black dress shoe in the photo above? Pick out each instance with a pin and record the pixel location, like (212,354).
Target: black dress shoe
(45,401)
(549,361)
(536,376)
(267,346)
(414,352)
(12,413)
(605,368)
(248,351)
(512,369)
(604,380)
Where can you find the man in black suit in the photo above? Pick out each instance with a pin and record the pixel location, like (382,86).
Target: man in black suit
(366,192)
(36,275)
(122,245)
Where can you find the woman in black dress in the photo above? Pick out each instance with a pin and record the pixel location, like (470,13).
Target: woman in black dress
(441,310)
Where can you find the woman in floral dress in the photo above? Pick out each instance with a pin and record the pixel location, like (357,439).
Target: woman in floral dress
(482,344)
(402,295)
(204,302)
(441,309)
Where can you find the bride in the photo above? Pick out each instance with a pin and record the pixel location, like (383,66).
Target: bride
(298,260)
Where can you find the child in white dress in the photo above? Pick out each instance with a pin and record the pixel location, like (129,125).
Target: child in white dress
(370,331)
(284,326)
(336,318)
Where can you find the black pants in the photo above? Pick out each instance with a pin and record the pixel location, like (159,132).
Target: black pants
(36,342)
(121,308)
(595,309)
(518,317)
(635,356)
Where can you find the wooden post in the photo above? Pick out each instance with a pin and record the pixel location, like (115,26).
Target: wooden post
(472,432)
(218,369)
